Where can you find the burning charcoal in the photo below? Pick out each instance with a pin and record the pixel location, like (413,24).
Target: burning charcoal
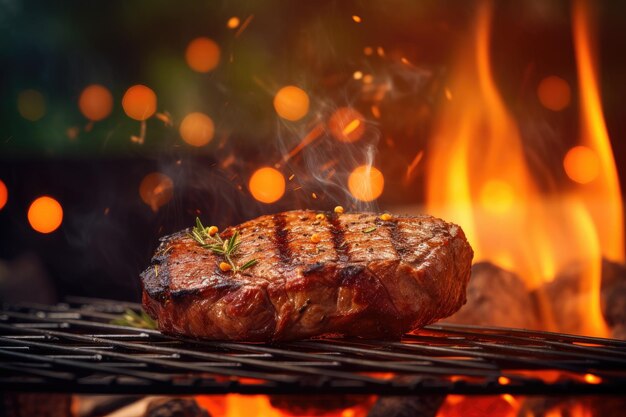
(566,289)
(572,406)
(319,405)
(613,297)
(101,405)
(421,406)
(496,297)
(28,405)
(175,407)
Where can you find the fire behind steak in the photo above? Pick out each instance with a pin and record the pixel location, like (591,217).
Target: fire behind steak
(366,277)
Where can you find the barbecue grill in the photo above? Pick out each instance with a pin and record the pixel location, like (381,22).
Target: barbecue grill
(72,347)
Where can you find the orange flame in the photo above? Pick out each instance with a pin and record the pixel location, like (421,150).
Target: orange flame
(602,195)
(478,177)
(235,405)
(478,174)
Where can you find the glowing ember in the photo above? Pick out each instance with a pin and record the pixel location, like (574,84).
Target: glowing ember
(412,168)
(592,379)
(235,405)
(581,164)
(31,105)
(267,185)
(95,102)
(291,103)
(233,22)
(578,409)
(502,380)
(156,190)
(368,50)
(309,138)
(4,195)
(479,406)
(202,55)
(357,75)
(244,25)
(554,93)
(139,102)
(346,124)
(357,19)
(165,117)
(366,183)
(45,214)
(197,129)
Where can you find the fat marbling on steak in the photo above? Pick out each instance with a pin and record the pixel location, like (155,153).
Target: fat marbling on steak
(366,277)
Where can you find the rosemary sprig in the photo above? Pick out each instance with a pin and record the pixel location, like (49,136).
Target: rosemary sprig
(370,229)
(208,238)
(132,319)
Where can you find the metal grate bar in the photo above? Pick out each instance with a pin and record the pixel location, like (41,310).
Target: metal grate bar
(72,347)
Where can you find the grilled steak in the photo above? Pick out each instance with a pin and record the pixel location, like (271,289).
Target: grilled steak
(366,277)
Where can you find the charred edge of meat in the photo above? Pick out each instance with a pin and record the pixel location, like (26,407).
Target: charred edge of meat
(156,278)
(313,268)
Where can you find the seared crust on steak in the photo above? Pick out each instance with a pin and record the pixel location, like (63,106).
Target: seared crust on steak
(404,274)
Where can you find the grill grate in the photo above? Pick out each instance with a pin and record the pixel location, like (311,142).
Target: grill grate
(71,347)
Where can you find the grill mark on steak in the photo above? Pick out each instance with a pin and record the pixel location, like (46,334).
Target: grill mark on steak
(396,237)
(281,238)
(337,234)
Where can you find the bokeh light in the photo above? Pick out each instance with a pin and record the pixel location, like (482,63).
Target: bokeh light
(4,194)
(366,183)
(139,102)
(197,129)
(581,164)
(95,102)
(45,214)
(233,22)
(497,196)
(31,105)
(156,190)
(267,185)
(346,124)
(202,54)
(291,103)
(554,93)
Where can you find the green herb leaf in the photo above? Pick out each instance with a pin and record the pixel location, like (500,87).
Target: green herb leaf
(232,241)
(248,264)
(199,225)
(369,229)
(131,319)
(227,248)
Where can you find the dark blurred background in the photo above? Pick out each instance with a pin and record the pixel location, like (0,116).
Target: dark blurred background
(327,48)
